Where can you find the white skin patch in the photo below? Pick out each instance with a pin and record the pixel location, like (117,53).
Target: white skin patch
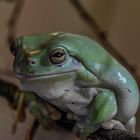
(122,78)
(63,93)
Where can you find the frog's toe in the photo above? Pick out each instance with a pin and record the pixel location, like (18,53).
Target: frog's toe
(131,124)
(113,124)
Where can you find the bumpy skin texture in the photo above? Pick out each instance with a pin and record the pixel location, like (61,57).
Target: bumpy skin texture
(89,74)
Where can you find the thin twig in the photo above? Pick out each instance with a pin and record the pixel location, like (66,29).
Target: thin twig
(12,23)
(101,35)
(32,130)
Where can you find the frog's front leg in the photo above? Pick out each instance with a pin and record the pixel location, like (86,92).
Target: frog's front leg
(41,110)
(44,114)
(102,109)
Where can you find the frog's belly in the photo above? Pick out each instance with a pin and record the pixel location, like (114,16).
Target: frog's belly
(74,101)
(63,94)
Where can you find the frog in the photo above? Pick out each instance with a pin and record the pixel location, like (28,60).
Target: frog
(77,75)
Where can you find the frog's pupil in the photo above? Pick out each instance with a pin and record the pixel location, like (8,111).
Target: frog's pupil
(58,54)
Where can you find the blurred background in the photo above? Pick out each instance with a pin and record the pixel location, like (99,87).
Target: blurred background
(119,19)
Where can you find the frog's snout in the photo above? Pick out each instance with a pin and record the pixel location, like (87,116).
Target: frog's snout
(19,76)
(24,68)
(22,76)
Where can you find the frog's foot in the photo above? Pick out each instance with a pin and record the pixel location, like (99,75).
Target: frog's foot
(71,116)
(113,124)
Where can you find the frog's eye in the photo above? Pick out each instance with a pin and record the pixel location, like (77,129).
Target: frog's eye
(13,49)
(57,56)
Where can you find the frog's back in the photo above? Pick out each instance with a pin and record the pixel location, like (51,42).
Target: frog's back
(110,72)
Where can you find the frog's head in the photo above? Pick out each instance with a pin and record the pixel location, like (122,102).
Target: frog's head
(37,56)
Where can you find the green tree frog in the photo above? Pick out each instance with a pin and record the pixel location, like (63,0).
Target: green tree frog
(78,76)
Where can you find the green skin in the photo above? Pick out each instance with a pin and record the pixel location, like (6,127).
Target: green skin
(93,67)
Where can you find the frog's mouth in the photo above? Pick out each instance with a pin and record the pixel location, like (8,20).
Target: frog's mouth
(23,77)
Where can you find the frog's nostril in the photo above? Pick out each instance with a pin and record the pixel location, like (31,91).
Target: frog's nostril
(32,62)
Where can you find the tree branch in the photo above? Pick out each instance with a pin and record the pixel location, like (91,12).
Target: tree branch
(12,23)
(103,134)
(101,35)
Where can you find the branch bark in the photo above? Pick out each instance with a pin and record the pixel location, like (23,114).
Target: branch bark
(103,134)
